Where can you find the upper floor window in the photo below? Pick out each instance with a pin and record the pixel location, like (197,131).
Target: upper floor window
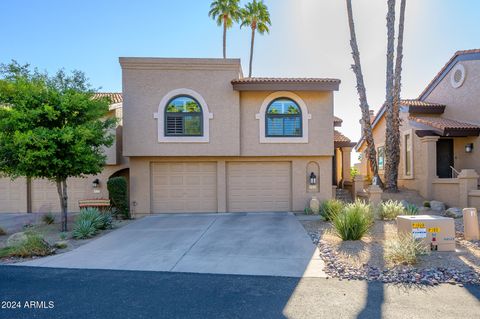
(283,119)
(381,157)
(183,117)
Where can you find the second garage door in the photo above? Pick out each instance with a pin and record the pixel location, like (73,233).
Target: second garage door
(258,186)
(184,187)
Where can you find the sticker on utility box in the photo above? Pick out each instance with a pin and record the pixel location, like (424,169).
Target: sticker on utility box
(434,230)
(419,233)
(418,225)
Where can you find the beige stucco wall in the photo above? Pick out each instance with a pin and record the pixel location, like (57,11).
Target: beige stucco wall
(141,188)
(13,195)
(147,81)
(320,126)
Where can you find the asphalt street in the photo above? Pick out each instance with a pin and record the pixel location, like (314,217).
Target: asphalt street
(36,292)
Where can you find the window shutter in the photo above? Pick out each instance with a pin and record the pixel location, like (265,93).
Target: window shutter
(174,125)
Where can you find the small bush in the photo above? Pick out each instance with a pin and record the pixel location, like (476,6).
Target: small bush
(61,244)
(307,211)
(354,221)
(106,220)
(354,172)
(426,204)
(405,250)
(390,209)
(330,208)
(2,232)
(63,235)
(411,209)
(48,219)
(34,245)
(83,229)
(117,192)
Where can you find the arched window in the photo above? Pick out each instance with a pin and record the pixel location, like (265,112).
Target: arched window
(283,118)
(183,117)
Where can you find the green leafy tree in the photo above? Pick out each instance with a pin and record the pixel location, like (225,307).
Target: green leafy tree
(51,127)
(256,16)
(225,12)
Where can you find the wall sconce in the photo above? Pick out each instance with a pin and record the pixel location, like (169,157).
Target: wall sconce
(313,179)
(96,183)
(468,148)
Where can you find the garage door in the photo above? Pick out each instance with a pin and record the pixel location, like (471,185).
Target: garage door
(184,187)
(258,186)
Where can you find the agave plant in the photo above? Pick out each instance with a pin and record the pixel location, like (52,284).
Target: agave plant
(83,229)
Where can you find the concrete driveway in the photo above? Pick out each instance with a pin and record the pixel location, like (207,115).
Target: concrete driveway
(248,244)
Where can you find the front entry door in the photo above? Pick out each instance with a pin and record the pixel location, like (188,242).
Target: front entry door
(444,158)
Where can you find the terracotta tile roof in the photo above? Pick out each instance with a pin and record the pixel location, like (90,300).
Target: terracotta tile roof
(339,137)
(439,74)
(115,97)
(414,102)
(447,127)
(285,80)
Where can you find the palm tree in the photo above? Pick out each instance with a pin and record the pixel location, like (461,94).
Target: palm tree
(224,12)
(362,94)
(393,117)
(256,16)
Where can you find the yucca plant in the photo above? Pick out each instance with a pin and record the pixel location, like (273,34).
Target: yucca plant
(354,221)
(330,208)
(83,229)
(405,249)
(411,209)
(390,209)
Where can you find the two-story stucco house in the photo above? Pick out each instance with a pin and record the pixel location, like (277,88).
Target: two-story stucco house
(196,136)
(439,135)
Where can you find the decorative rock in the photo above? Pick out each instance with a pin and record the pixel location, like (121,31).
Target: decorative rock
(404,203)
(16,238)
(454,212)
(437,206)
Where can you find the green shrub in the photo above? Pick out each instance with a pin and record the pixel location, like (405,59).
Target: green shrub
(426,204)
(63,235)
(390,209)
(2,232)
(308,211)
(83,229)
(405,249)
(330,208)
(48,219)
(411,209)
(354,221)
(34,245)
(117,192)
(61,244)
(354,172)
(106,220)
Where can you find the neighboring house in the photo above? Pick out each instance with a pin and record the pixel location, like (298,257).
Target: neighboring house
(196,136)
(439,135)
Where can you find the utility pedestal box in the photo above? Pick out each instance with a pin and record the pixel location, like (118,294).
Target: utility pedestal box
(436,231)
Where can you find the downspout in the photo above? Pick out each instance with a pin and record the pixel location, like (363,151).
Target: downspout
(29,195)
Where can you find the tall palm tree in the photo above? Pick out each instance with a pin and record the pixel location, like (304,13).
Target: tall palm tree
(393,117)
(362,95)
(256,16)
(224,12)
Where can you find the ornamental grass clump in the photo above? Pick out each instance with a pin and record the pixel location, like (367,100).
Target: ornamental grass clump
(411,209)
(330,208)
(354,221)
(33,245)
(405,249)
(390,209)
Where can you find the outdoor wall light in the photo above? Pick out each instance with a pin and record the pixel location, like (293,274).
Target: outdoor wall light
(313,179)
(469,148)
(96,183)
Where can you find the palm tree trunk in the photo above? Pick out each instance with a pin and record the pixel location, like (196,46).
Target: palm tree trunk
(224,37)
(251,53)
(395,132)
(362,94)
(62,194)
(391,137)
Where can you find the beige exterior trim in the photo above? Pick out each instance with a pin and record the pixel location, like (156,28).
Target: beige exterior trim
(305,117)
(180,64)
(160,116)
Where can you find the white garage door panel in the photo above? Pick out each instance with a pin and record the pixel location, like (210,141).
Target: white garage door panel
(259,186)
(184,187)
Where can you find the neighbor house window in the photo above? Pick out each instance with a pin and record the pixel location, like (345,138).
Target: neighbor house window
(408,155)
(183,117)
(381,157)
(283,119)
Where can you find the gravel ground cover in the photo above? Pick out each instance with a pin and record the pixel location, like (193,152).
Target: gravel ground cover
(364,259)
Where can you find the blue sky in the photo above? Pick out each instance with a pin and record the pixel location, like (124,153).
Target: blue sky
(308,38)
